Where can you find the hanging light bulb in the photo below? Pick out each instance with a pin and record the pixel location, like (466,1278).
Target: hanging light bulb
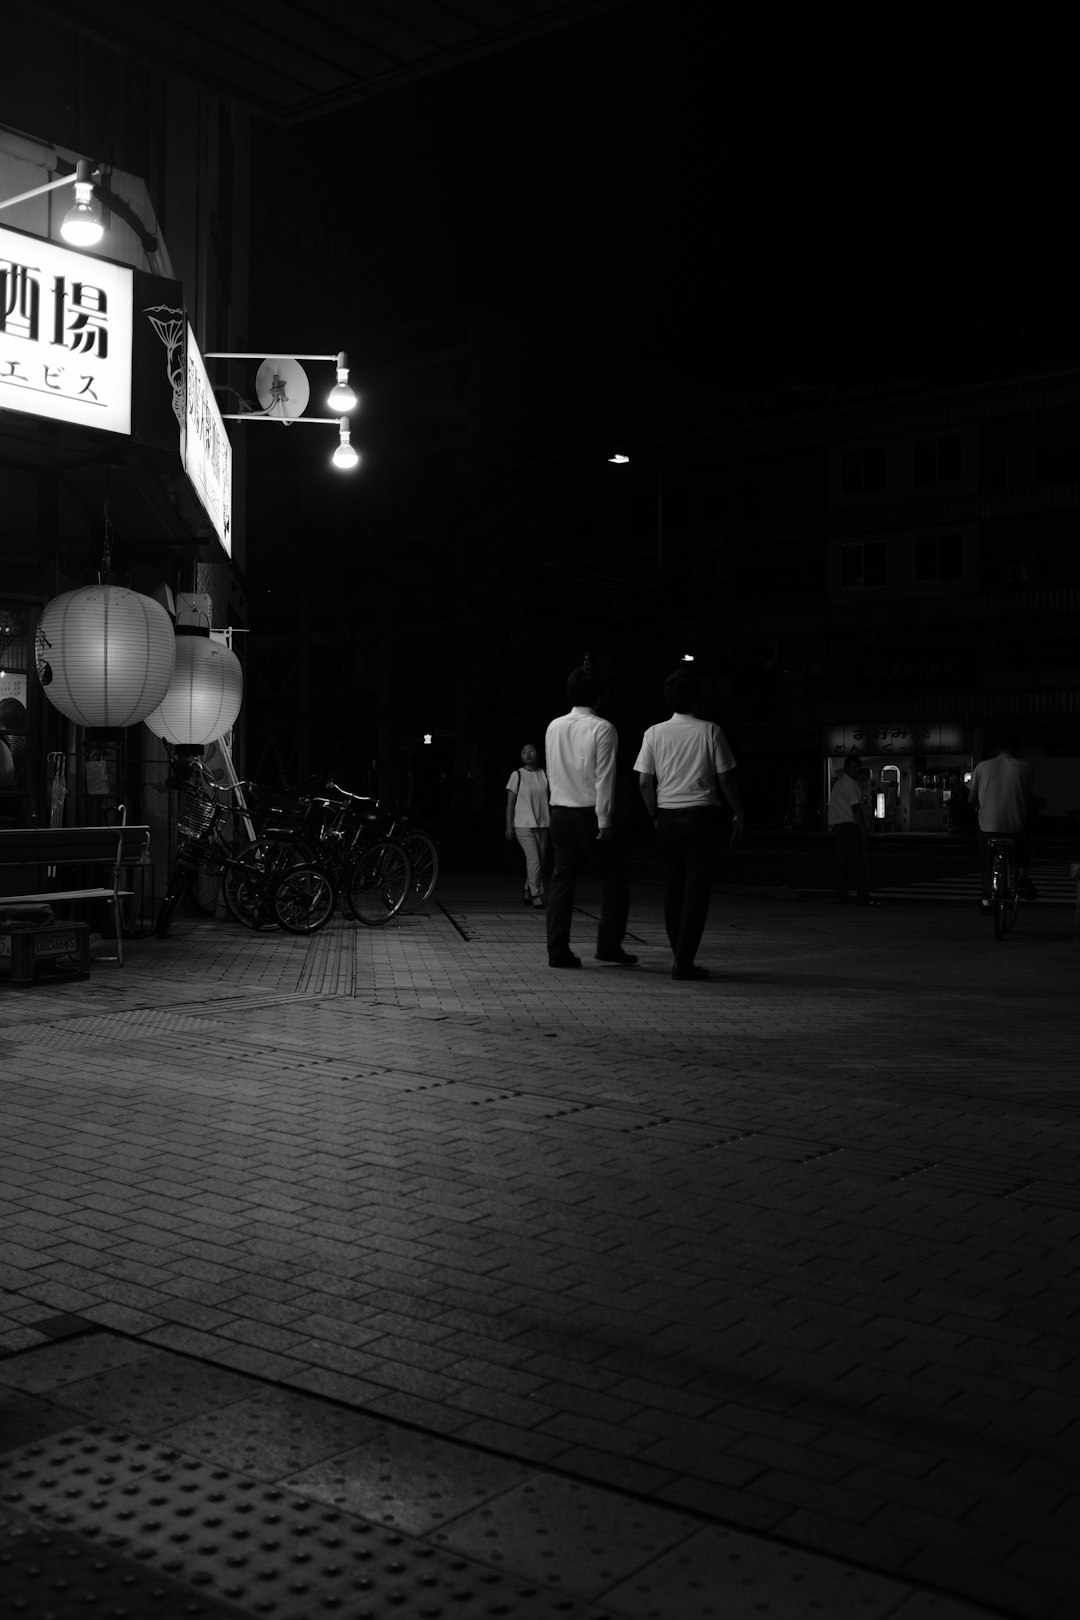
(341,396)
(82,225)
(345,456)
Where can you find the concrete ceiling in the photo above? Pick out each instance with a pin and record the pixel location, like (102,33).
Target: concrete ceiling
(291,60)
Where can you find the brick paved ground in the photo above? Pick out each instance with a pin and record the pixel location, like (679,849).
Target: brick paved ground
(793,1252)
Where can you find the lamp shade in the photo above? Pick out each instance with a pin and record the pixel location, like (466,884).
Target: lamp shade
(204,695)
(104,654)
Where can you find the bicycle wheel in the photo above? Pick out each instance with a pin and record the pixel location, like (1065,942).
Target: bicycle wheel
(424,859)
(175,889)
(304,899)
(379,883)
(998,894)
(248,888)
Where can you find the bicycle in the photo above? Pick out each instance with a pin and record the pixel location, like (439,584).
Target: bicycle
(423,855)
(387,825)
(276,886)
(336,835)
(1004,894)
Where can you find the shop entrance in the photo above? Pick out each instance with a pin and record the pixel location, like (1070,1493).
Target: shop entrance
(911,795)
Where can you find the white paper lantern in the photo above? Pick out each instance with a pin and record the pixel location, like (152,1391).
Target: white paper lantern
(105,655)
(204,695)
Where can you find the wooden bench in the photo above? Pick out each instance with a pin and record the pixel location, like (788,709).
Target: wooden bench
(39,848)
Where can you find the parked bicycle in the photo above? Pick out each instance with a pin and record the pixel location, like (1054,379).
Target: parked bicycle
(338,834)
(390,823)
(272,885)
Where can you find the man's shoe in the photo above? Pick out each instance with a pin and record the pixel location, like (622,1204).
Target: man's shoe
(567,960)
(691,972)
(539,902)
(619,958)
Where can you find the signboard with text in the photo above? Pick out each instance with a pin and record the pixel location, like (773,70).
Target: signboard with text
(925,737)
(65,334)
(206,450)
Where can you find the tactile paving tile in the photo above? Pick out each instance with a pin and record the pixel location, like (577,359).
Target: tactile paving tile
(156,1392)
(54,1575)
(273,1434)
(53,1365)
(410,1481)
(722,1575)
(573,1537)
(265,1550)
(24,1418)
(52,1477)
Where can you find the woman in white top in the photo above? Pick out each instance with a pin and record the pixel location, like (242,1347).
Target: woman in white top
(527,820)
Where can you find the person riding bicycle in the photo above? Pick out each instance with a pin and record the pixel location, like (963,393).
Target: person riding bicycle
(1001,788)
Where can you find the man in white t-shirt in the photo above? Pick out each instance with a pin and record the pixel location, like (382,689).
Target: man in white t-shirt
(1001,788)
(684,765)
(847,823)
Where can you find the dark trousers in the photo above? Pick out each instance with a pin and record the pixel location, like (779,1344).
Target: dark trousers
(689,847)
(851,868)
(574,840)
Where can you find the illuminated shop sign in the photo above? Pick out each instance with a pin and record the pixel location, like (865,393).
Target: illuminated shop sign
(206,450)
(927,737)
(65,334)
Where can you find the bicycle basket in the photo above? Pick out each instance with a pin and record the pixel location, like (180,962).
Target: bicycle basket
(196,816)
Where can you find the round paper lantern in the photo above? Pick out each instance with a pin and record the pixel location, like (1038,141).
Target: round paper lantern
(104,654)
(204,695)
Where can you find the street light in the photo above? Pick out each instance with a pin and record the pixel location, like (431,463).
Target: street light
(281,373)
(345,456)
(81,224)
(342,397)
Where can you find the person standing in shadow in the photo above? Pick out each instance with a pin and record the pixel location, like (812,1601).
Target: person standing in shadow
(847,823)
(580,749)
(684,766)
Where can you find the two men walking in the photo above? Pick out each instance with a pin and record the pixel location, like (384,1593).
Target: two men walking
(684,766)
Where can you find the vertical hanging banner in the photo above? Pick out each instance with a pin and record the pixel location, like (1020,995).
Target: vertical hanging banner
(65,334)
(159,322)
(205,448)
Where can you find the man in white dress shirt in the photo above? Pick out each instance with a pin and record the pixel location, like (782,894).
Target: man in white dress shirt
(580,750)
(684,765)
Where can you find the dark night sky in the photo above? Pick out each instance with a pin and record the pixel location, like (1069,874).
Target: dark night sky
(739,198)
(742,203)
(739,203)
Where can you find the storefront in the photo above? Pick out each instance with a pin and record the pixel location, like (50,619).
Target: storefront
(116,486)
(914,776)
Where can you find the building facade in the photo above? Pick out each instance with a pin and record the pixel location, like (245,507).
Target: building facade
(124,496)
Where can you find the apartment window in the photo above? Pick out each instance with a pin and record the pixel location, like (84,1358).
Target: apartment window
(862,471)
(939,557)
(863,565)
(939,461)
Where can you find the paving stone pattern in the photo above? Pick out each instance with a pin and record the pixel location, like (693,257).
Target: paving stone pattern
(407,1225)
